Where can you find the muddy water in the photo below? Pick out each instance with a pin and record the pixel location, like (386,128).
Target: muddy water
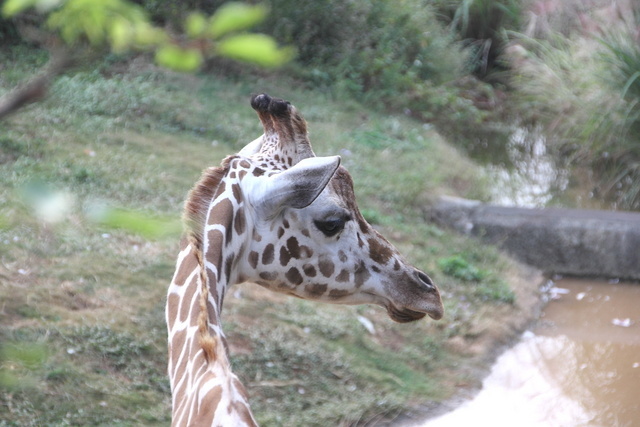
(580,365)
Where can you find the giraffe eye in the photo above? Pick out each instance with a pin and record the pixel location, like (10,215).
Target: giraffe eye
(331,227)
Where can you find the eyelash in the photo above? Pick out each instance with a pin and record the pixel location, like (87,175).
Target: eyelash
(332,226)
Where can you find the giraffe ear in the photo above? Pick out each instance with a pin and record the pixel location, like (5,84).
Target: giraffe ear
(299,186)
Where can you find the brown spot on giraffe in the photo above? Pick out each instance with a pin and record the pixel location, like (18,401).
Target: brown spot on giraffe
(309,270)
(186,303)
(209,404)
(338,293)
(228,264)
(326,267)
(268,275)
(178,343)
(220,213)
(173,303)
(239,222)
(293,248)
(293,276)
(361,274)
(267,255)
(214,253)
(316,290)
(254,257)
(305,252)
(189,263)
(285,256)
(237,193)
(343,276)
(379,252)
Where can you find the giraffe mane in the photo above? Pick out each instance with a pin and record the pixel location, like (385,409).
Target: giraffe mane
(194,217)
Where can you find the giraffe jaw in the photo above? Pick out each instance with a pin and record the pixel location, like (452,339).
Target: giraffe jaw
(406,315)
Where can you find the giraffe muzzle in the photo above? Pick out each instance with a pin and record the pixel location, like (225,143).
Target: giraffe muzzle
(433,304)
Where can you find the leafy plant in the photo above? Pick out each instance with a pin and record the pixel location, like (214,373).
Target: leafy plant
(587,93)
(485,285)
(458,267)
(124,26)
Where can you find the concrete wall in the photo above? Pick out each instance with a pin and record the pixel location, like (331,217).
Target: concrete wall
(575,242)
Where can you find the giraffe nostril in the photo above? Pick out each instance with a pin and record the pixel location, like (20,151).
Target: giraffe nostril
(425,279)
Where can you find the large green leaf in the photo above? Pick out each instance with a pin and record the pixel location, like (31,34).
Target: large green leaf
(13,7)
(234,16)
(195,25)
(179,59)
(255,48)
(94,19)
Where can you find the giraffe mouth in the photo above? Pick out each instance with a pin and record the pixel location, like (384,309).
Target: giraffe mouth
(405,315)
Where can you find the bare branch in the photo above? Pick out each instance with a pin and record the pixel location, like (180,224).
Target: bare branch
(36,88)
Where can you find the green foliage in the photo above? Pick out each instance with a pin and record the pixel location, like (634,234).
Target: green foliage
(458,267)
(587,92)
(483,25)
(495,290)
(379,52)
(485,285)
(179,59)
(125,26)
(13,7)
(99,21)
(233,17)
(255,48)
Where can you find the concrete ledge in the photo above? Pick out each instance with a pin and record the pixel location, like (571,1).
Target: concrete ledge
(576,242)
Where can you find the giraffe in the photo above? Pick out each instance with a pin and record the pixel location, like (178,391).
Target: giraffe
(276,215)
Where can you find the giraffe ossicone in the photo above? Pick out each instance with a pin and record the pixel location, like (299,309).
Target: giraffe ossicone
(276,215)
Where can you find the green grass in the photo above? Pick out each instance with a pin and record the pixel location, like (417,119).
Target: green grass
(134,139)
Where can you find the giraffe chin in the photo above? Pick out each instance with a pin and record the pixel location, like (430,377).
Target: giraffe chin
(404,315)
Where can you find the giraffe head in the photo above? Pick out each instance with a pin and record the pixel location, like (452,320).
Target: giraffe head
(305,234)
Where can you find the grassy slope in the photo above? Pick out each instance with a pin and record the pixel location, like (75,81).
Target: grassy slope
(81,309)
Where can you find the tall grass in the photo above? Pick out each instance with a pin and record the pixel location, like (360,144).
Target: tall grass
(622,167)
(587,91)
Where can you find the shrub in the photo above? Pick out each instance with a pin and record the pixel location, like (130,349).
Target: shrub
(587,93)
(458,267)
(482,24)
(377,51)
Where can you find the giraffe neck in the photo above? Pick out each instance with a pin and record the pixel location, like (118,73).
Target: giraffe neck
(204,390)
